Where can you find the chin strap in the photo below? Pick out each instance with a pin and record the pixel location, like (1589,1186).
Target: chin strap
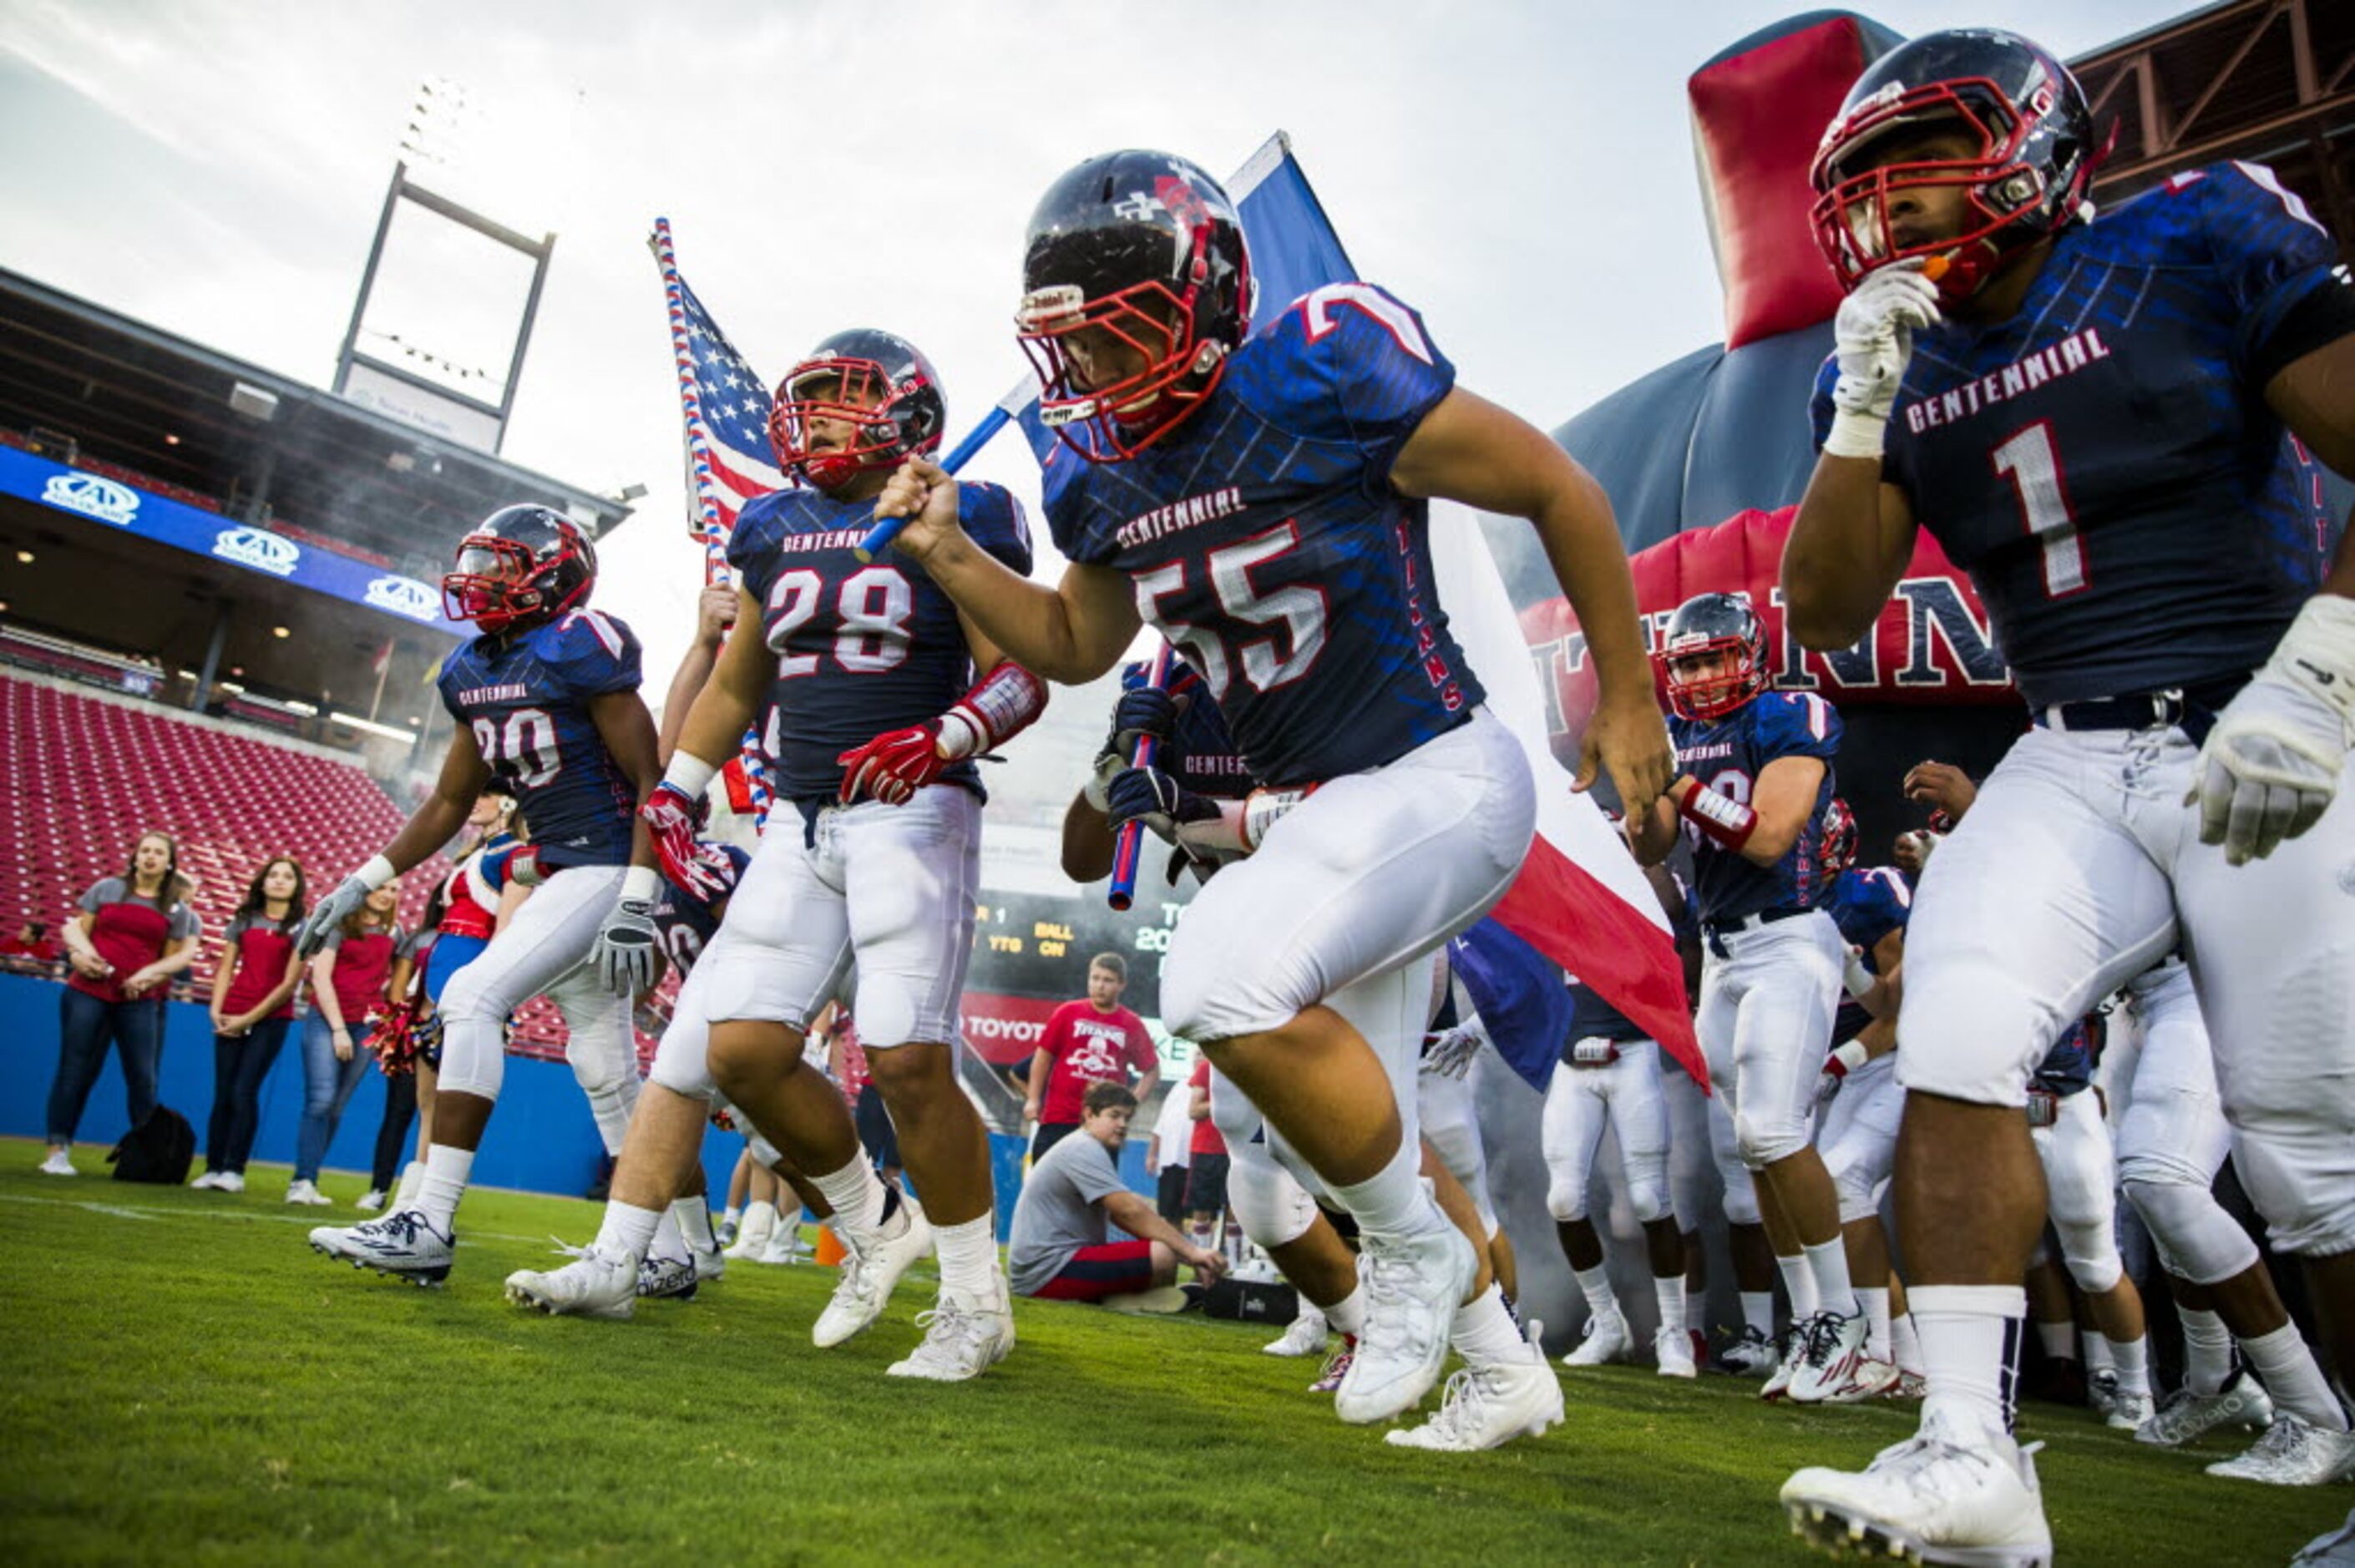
(1001,706)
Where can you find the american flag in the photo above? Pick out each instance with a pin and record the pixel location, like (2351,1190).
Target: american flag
(726,404)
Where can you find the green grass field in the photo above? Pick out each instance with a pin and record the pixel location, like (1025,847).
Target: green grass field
(187,1382)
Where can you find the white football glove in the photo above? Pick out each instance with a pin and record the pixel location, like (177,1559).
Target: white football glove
(1448,1054)
(1856,977)
(1872,339)
(624,953)
(2270,768)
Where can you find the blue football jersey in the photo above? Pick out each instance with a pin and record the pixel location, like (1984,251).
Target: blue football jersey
(686,923)
(2132,513)
(1591,1018)
(1263,538)
(1866,905)
(1727,754)
(2068,1067)
(861,649)
(526,699)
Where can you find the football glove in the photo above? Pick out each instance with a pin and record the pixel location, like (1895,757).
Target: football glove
(1872,340)
(2270,768)
(669,814)
(1164,806)
(328,915)
(892,767)
(624,953)
(1449,1052)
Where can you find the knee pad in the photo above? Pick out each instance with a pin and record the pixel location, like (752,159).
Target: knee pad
(1647,1194)
(1858,1199)
(683,1064)
(1237,1120)
(763,1150)
(1272,1207)
(473,1058)
(2196,1239)
(1566,1195)
(1741,1201)
(1958,1035)
(1764,1139)
(2090,1252)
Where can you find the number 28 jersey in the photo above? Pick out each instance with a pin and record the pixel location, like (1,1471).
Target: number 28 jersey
(525,698)
(1263,538)
(2105,464)
(862,648)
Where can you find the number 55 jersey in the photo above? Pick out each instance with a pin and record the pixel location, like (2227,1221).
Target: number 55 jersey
(1263,538)
(2105,464)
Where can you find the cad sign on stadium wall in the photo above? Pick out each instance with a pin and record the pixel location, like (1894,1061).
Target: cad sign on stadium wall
(1932,644)
(259,548)
(93,497)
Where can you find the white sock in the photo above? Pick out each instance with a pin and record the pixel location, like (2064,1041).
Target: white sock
(1348,1316)
(968,1258)
(2059,1339)
(2134,1365)
(694,1217)
(1485,1334)
(2099,1355)
(857,1194)
(1758,1312)
(628,1232)
(1594,1283)
(1395,1202)
(729,1216)
(1828,1261)
(1799,1284)
(1668,1289)
(1904,1344)
(412,1177)
(760,1220)
(1876,1323)
(2287,1368)
(2207,1351)
(1970,1334)
(446,1169)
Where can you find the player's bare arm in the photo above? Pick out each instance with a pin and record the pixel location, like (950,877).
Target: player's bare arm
(1784,804)
(1087,841)
(717,608)
(1069,634)
(2314,395)
(628,731)
(443,814)
(714,722)
(1652,832)
(1469,450)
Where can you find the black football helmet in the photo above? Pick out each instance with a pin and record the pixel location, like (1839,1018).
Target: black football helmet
(876,381)
(1836,840)
(520,567)
(1135,287)
(1707,624)
(2029,178)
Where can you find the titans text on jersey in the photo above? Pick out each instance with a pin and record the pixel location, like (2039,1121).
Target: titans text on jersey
(525,698)
(1286,554)
(862,648)
(1727,754)
(2103,463)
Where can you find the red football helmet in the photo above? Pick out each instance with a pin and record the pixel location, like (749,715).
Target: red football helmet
(1837,838)
(876,382)
(521,567)
(1707,624)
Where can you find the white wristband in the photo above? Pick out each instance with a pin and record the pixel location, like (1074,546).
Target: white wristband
(1855,434)
(376,873)
(642,881)
(2318,652)
(1851,1055)
(689,775)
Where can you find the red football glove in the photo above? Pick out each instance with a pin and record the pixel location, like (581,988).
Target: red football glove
(892,767)
(669,816)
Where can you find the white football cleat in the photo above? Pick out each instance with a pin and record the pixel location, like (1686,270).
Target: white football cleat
(1786,1363)
(668,1279)
(208,1181)
(962,1340)
(232,1181)
(58,1163)
(1938,1497)
(2336,1550)
(590,1286)
(405,1246)
(1752,1355)
(710,1263)
(1413,1285)
(307,1192)
(2130,1411)
(1336,1367)
(1306,1336)
(1602,1341)
(1831,1346)
(2292,1454)
(1673,1347)
(1487,1407)
(1870,1379)
(2184,1416)
(370,1201)
(868,1280)
(2102,1393)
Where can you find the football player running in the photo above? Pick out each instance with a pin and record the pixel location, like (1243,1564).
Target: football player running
(1756,780)
(2100,420)
(876,721)
(546,699)
(1261,499)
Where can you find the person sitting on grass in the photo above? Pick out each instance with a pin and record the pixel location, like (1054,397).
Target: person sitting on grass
(1058,1250)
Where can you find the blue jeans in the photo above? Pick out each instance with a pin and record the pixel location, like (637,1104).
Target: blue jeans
(327,1087)
(239,1065)
(85,1025)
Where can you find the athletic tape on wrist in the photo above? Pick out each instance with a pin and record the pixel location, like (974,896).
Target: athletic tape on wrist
(1855,435)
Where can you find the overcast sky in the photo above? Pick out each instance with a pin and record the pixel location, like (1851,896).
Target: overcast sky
(1523,174)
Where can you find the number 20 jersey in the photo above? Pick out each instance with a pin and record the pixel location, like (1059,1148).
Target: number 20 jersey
(526,699)
(862,648)
(1263,538)
(2104,463)
(1727,754)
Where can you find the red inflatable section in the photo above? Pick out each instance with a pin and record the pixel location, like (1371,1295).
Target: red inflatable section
(1757,117)
(1930,645)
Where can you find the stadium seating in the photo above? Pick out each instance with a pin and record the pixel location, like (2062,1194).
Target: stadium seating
(84,774)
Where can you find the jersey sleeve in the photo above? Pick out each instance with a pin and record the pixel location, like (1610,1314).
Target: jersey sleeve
(591,653)
(1353,363)
(993,519)
(184,922)
(2268,250)
(1889,899)
(751,543)
(1819,402)
(103,891)
(1796,723)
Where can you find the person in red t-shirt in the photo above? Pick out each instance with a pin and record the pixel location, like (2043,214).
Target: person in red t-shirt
(1092,1041)
(253,1001)
(133,933)
(1206,1166)
(348,980)
(33,943)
